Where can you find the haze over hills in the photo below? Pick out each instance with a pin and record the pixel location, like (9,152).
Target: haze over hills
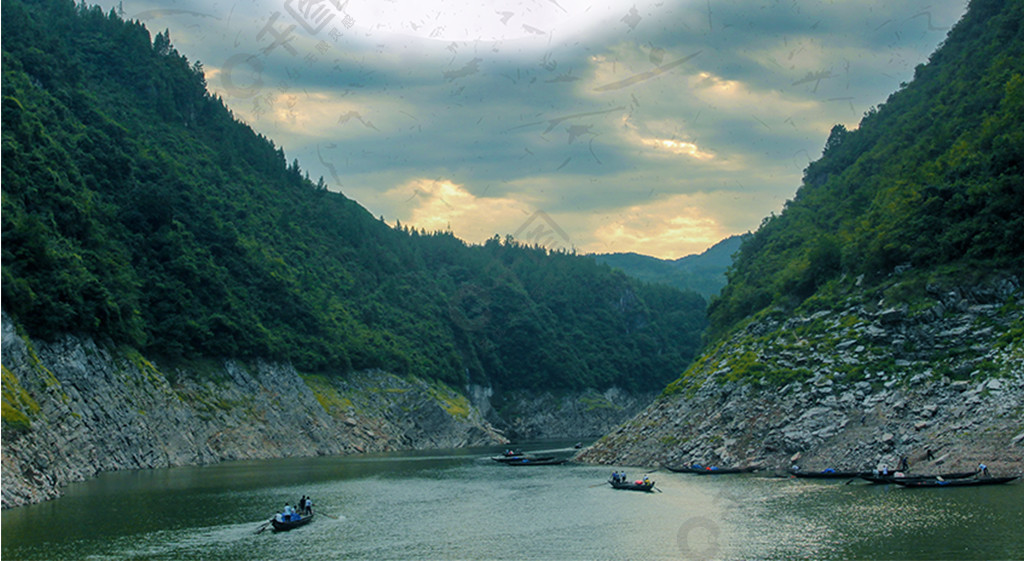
(703,273)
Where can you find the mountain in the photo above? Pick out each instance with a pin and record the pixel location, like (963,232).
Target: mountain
(880,315)
(702,273)
(139,213)
(929,184)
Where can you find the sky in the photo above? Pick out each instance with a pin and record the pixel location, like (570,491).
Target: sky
(654,127)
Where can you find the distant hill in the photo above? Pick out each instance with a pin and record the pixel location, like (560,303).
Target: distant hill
(702,273)
(137,211)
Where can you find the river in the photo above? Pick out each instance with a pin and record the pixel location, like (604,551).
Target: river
(458,504)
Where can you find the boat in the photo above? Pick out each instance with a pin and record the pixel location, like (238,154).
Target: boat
(878,478)
(510,459)
(536,462)
(632,485)
(710,470)
(294,521)
(968,482)
(829,474)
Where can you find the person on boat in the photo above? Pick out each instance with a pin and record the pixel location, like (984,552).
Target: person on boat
(647,480)
(309,505)
(615,477)
(286,515)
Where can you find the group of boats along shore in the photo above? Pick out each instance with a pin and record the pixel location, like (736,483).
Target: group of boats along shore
(293,518)
(883,475)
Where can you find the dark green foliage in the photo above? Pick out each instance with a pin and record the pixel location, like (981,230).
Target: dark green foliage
(934,177)
(137,210)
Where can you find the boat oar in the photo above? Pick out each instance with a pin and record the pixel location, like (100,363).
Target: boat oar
(598,485)
(263,527)
(329,516)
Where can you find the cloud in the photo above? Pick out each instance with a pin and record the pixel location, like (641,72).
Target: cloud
(655,126)
(442,205)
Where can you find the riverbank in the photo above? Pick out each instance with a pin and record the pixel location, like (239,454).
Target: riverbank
(73,409)
(941,383)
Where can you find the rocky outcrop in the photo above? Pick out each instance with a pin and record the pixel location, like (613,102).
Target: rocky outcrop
(941,382)
(73,408)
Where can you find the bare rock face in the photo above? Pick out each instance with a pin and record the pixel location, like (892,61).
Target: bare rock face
(848,388)
(73,409)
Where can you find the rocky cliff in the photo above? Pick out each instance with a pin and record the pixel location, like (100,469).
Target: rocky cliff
(940,381)
(74,408)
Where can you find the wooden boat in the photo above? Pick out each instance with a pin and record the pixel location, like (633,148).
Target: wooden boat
(723,471)
(829,474)
(295,521)
(510,459)
(968,482)
(710,470)
(536,462)
(632,485)
(880,479)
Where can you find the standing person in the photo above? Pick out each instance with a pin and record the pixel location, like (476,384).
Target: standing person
(309,505)
(984,470)
(904,464)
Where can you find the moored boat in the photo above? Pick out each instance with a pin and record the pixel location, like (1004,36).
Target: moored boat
(967,482)
(548,461)
(829,474)
(511,459)
(892,478)
(710,470)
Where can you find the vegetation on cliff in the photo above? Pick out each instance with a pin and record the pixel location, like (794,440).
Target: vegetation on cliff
(137,210)
(931,181)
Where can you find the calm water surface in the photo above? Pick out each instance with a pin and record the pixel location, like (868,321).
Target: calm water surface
(460,505)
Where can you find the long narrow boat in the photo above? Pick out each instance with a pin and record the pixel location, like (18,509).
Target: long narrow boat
(632,486)
(295,521)
(712,470)
(829,474)
(511,459)
(724,471)
(880,479)
(536,462)
(970,482)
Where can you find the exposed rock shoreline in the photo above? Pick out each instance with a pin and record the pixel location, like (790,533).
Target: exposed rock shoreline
(849,389)
(73,409)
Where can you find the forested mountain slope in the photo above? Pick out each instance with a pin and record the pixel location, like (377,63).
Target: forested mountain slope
(881,314)
(932,180)
(138,211)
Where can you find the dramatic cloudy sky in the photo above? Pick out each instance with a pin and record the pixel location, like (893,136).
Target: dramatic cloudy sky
(658,127)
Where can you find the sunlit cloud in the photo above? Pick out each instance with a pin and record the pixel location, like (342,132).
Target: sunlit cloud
(671,227)
(442,205)
(678,147)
